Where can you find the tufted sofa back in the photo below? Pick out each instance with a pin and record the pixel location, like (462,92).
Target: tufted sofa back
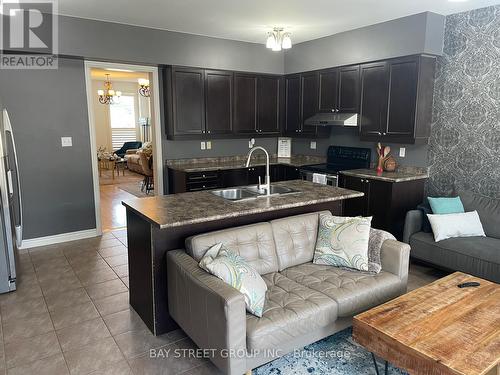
(253,242)
(295,239)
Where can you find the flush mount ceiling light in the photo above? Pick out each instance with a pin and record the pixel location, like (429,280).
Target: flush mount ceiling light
(144,88)
(278,39)
(108,95)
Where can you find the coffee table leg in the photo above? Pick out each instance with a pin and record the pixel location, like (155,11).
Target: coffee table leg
(386,367)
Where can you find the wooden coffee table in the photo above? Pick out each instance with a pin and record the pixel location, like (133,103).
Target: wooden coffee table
(439,329)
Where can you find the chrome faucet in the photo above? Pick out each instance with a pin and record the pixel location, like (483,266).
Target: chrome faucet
(267,181)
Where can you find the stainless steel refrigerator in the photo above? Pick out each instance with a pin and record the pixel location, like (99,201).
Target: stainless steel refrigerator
(11,205)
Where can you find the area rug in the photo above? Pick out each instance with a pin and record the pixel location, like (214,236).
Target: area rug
(338,354)
(134,188)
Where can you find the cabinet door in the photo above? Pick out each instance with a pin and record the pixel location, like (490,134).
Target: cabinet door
(188,101)
(219,99)
(379,204)
(356,206)
(292,105)
(403,78)
(329,90)
(349,89)
(235,177)
(291,173)
(268,105)
(309,99)
(374,99)
(245,104)
(255,172)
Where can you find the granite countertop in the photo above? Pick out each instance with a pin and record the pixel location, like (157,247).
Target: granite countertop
(202,206)
(401,175)
(214,164)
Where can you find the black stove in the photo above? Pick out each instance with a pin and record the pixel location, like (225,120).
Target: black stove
(340,158)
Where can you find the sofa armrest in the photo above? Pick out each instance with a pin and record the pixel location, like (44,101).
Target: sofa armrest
(395,258)
(131,151)
(211,312)
(413,224)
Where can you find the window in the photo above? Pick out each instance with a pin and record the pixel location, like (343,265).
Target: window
(123,121)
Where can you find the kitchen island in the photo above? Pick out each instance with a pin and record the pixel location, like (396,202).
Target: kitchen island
(159,224)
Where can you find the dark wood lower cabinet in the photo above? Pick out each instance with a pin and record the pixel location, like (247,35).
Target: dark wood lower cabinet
(387,202)
(181,182)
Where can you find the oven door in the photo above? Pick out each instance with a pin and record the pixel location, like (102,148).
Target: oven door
(331,179)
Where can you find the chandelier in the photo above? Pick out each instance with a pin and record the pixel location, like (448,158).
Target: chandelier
(278,39)
(108,95)
(144,88)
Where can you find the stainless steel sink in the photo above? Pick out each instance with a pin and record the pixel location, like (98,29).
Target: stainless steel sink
(234,194)
(251,192)
(275,190)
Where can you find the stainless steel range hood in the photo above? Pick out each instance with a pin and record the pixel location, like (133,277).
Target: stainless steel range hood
(333,119)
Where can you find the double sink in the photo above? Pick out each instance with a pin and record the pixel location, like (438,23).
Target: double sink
(252,192)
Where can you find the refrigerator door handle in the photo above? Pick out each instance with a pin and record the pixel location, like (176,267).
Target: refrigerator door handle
(18,227)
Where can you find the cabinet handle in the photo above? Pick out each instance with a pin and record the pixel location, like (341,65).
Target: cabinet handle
(333,109)
(208,132)
(336,110)
(379,133)
(383,133)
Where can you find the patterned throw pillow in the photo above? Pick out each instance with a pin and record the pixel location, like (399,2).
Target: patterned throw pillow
(343,241)
(377,239)
(235,271)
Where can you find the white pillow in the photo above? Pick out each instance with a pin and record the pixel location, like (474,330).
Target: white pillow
(343,241)
(235,271)
(465,224)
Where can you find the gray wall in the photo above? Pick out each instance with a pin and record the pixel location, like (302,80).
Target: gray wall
(220,147)
(416,155)
(56,182)
(465,137)
(420,33)
(117,42)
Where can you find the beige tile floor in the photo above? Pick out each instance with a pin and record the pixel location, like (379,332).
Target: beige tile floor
(70,315)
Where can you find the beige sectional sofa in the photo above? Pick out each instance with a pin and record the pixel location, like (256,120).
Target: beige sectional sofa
(304,302)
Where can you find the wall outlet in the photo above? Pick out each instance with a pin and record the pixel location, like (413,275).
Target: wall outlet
(313,145)
(402,152)
(251,143)
(203,146)
(209,145)
(66,141)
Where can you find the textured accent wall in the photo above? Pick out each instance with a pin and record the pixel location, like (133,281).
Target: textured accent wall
(464,149)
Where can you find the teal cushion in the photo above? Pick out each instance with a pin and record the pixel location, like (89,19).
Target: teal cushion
(446,205)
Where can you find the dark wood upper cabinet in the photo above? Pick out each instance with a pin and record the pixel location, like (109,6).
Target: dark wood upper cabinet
(219,102)
(292,105)
(396,99)
(329,90)
(309,99)
(188,101)
(268,104)
(245,104)
(374,89)
(349,86)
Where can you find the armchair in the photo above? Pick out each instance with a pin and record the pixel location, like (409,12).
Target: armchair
(128,146)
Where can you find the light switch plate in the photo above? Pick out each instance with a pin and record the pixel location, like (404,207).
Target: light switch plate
(66,141)
(402,152)
(313,145)
(203,146)
(209,145)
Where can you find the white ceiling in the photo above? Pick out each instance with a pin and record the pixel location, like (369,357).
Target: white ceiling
(249,20)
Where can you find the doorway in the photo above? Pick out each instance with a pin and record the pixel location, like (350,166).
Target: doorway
(125,133)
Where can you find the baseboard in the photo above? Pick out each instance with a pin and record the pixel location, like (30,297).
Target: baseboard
(58,238)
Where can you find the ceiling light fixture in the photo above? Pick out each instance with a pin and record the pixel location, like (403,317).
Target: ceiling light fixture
(278,39)
(144,88)
(108,95)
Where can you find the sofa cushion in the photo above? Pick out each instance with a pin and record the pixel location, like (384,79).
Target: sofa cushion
(295,238)
(485,248)
(353,291)
(488,210)
(255,243)
(291,310)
